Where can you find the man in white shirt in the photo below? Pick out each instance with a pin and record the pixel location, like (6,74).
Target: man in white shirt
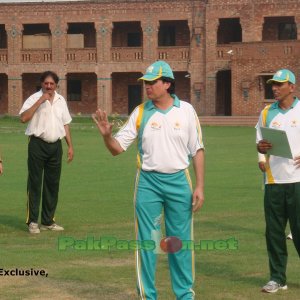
(168,135)
(282,188)
(49,119)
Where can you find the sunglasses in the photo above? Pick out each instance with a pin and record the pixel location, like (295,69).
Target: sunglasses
(150,82)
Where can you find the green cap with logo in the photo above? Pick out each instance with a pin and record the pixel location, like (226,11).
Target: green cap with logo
(158,69)
(283,75)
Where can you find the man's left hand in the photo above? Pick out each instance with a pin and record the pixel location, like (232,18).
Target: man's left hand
(198,199)
(262,166)
(70,154)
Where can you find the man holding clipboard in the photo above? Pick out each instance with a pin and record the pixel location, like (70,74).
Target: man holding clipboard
(282,189)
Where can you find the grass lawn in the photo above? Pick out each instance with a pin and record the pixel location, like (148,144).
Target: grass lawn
(96,201)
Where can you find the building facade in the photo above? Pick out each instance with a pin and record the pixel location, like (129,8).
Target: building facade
(222,52)
(246,42)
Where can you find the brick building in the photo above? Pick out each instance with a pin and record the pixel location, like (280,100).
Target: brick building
(247,41)
(222,52)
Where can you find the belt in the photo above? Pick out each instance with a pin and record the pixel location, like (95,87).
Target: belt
(38,138)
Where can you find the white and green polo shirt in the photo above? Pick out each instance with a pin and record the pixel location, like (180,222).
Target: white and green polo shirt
(166,138)
(279,169)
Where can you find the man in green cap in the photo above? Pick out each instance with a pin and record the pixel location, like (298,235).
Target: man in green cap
(282,188)
(168,134)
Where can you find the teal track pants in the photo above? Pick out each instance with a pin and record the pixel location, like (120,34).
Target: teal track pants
(171,193)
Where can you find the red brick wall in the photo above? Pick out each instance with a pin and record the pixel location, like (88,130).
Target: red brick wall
(100,59)
(244,72)
(270,28)
(120,31)
(182,86)
(3,93)
(88,101)
(120,82)
(250,58)
(31,84)
(197,51)
(182,32)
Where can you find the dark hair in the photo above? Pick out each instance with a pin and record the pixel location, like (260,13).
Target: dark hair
(49,74)
(171,89)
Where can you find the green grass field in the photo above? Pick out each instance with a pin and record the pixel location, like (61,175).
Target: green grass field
(96,200)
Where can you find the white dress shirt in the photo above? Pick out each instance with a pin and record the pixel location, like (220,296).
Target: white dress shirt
(49,119)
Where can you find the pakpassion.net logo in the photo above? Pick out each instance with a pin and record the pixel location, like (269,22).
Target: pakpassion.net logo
(170,244)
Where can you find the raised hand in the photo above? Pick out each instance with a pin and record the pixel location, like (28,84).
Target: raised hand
(44,97)
(101,120)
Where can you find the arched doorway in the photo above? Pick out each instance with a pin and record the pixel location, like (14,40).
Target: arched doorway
(223,99)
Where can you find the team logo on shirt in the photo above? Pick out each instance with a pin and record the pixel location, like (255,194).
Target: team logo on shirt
(294,123)
(177,126)
(275,124)
(155,126)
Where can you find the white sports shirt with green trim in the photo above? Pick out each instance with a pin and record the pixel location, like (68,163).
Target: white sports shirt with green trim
(279,169)
(166,139)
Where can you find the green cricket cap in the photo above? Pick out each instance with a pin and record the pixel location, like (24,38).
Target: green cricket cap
(158,69)
(283,75)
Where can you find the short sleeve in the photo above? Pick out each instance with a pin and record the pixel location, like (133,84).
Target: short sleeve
(257,127)
(128,132)
(195,141)
(30,101)
(66,117)
(261,157)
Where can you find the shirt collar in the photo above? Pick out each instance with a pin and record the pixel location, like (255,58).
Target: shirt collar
(149,105)
(56,95)
(275,105)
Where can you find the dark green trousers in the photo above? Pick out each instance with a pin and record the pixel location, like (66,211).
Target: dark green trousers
(44,169)
(282,203)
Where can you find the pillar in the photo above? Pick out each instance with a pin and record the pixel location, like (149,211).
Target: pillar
(150,31)
(15,93)
(59,41)
(14,43)
(104,29)
(104,92)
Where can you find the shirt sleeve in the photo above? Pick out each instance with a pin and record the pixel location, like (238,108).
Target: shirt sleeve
(195,141)
(29,102)
(257,127)
(261,157)
(66,117)
(128,133)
